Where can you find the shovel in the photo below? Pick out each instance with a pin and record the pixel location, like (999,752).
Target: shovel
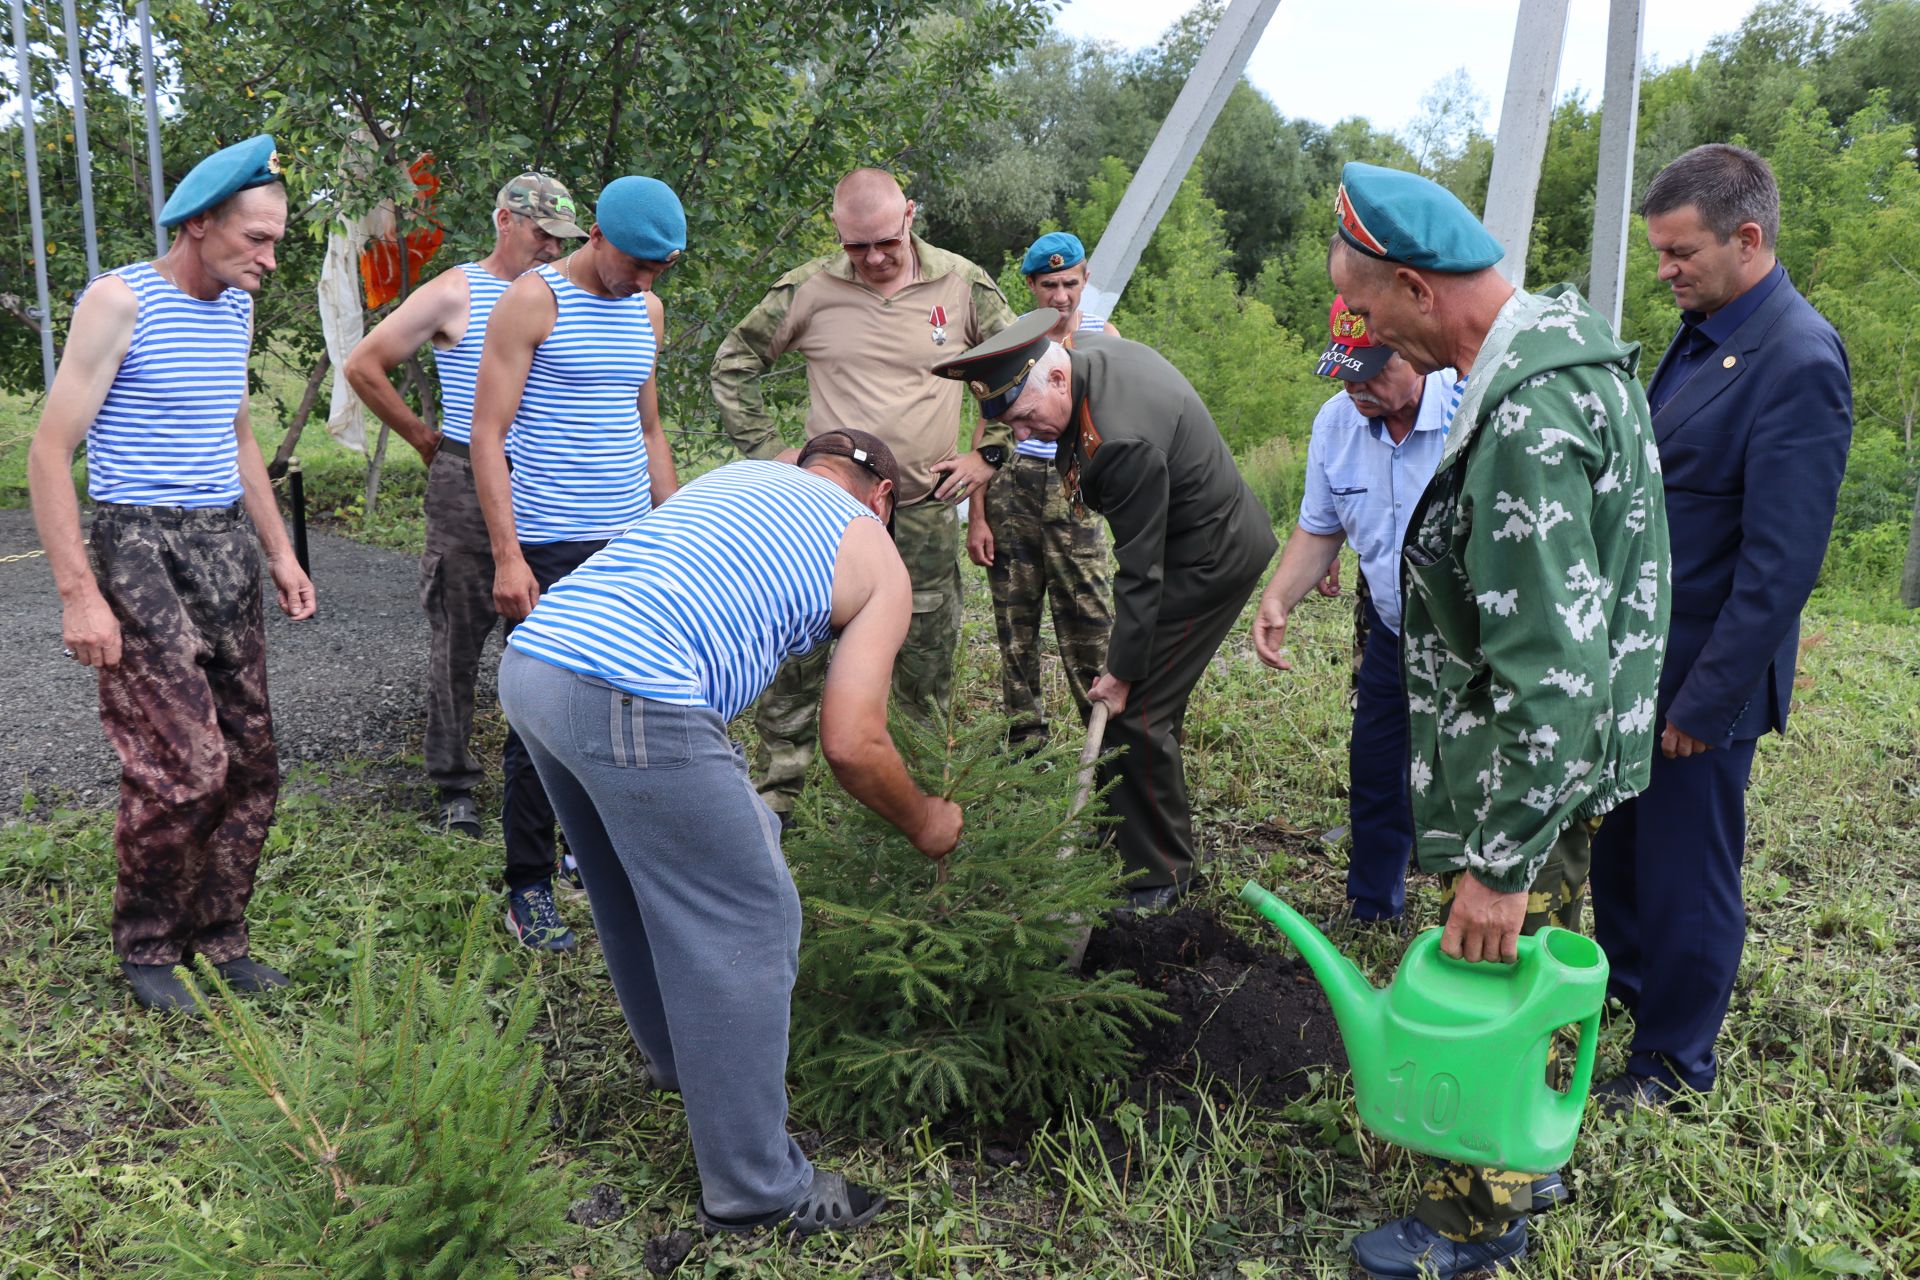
(1096,730)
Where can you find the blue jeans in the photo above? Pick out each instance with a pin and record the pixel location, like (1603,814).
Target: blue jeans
(695,910)
(1379,804)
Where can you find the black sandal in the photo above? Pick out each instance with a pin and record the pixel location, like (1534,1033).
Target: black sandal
(831,1203)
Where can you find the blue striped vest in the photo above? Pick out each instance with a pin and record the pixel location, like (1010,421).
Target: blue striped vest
(579,461)
(164,435)
(459,365)
(1047,448)
(701,602)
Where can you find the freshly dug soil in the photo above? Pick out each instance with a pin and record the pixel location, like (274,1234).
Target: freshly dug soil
(1252,1017)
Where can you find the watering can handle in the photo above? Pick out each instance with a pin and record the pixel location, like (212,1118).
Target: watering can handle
(1582,1081)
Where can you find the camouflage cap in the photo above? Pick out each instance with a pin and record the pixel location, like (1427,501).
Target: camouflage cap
(546,201)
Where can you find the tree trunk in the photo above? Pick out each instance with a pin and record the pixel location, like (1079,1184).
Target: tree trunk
(375,462)
(1910,574)
(298,423)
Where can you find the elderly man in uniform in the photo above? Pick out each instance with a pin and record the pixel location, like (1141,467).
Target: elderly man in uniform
(1190,539)
(1534,615)
(164,598)
(533,216)
(870,321)
(623,681)
(569,364)
(1753,411)
(1374,448)
(1025,532)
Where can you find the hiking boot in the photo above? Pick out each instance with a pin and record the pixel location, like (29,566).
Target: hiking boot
(156,986)
(534,919)
(244,973)
(831,1203)
(460,816)
(1411,1250)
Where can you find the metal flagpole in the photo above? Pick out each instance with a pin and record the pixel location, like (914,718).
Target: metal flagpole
(82,153)
(1619,123)
(33,187)
(1539,34)
(157,178)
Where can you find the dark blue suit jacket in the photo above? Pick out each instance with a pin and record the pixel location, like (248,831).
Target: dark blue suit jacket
(1752,448)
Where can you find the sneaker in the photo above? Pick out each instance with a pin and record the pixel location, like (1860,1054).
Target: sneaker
(157,987)
(460,816)
(831,1203)
(1624,1094)
(570,872)
(244,973)
(533,919)
(1411,1250)
(1160,897)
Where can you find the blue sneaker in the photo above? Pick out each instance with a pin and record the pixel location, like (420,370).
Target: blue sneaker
(1411,1250)
(534,919)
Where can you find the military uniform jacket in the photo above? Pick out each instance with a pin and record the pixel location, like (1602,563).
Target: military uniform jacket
(1535,584)
(1186,528)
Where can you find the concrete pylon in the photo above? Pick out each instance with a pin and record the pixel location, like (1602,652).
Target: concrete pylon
(1172,152)
(1619,134)
(1526,111)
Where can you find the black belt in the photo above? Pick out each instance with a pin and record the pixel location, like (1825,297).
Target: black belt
(454,448)
(227,517)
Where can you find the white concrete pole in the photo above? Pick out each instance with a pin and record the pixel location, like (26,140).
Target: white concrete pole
(1171,155)
(156,176)
(1619,132)
(82,153)
(1539,34)
(24,60)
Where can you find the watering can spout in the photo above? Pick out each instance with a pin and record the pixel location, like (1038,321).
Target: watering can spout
(1356,1002)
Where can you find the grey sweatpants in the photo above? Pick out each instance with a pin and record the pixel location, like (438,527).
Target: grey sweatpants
(695,909)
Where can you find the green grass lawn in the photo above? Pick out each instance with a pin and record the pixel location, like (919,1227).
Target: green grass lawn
(1806,1162)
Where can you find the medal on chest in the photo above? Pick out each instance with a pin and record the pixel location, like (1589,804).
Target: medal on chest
(937,318)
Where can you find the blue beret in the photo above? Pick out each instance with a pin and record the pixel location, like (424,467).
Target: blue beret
(642,218)
(1054,251)
(253,163)
(1405,218)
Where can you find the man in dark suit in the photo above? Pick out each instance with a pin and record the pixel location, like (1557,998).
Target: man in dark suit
(1190,540)
(1753,413)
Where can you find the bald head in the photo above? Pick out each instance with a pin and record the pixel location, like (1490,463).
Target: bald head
(868,193)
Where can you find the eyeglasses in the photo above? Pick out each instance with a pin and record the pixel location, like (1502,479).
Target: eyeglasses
(858,247)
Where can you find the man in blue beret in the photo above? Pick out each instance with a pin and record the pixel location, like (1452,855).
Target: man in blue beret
(1026,533)
(533,218)
(164,598)
(1534,616)
(569,363)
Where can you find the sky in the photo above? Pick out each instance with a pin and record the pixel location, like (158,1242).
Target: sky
(1327,62)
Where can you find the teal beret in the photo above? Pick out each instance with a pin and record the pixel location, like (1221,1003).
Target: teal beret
(1405,218)
(1055,251)
(642,218)
(253,163)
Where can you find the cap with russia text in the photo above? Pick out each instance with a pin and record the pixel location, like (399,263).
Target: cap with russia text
(1352,354)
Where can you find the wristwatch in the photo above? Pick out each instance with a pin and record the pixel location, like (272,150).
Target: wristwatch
(994,455)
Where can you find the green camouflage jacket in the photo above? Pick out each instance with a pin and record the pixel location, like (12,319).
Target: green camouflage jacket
(1534,576)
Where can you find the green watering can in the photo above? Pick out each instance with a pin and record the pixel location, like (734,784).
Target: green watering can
(1451,1059)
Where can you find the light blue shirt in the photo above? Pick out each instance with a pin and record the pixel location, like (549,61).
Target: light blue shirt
(1361,484)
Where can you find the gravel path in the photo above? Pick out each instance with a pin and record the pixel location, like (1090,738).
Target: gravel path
(346,683)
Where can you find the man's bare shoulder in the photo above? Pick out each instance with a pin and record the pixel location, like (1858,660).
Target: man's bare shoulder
(108,300)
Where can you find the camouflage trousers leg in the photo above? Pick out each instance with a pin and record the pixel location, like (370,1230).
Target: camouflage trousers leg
(1463,1201)
(787,713)
(186,710)
(456,593)
(1042,553)
(1362,625)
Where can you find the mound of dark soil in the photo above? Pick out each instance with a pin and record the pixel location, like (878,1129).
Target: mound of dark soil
(1253,1017)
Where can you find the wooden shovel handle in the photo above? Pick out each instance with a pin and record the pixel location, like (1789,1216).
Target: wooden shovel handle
(1096,732)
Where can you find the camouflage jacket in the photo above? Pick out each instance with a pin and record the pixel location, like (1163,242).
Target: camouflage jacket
(1534,576)
(869,359)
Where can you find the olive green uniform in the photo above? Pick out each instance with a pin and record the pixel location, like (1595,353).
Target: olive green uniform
(1191,542)
(869,365)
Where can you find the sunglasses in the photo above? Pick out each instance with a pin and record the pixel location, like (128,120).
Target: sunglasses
(858,247)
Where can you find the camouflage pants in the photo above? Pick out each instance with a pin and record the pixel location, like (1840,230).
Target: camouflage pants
(1042,554)
(456,592)
(786,716)
(1362,624)
(1462,1201)
(186,709)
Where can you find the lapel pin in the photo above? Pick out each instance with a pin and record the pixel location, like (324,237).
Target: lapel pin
(1729,362)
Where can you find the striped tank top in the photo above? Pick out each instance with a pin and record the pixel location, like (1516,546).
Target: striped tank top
(579,462)
(459,365)
(701,602)
(164,435)
(1047,448)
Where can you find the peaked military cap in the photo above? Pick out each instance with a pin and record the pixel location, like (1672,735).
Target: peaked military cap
(642,218)
(997,369)
(1054,251)
(228,171)
(1402,217)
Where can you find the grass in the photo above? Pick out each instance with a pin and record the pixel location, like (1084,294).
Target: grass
(1806,1161)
